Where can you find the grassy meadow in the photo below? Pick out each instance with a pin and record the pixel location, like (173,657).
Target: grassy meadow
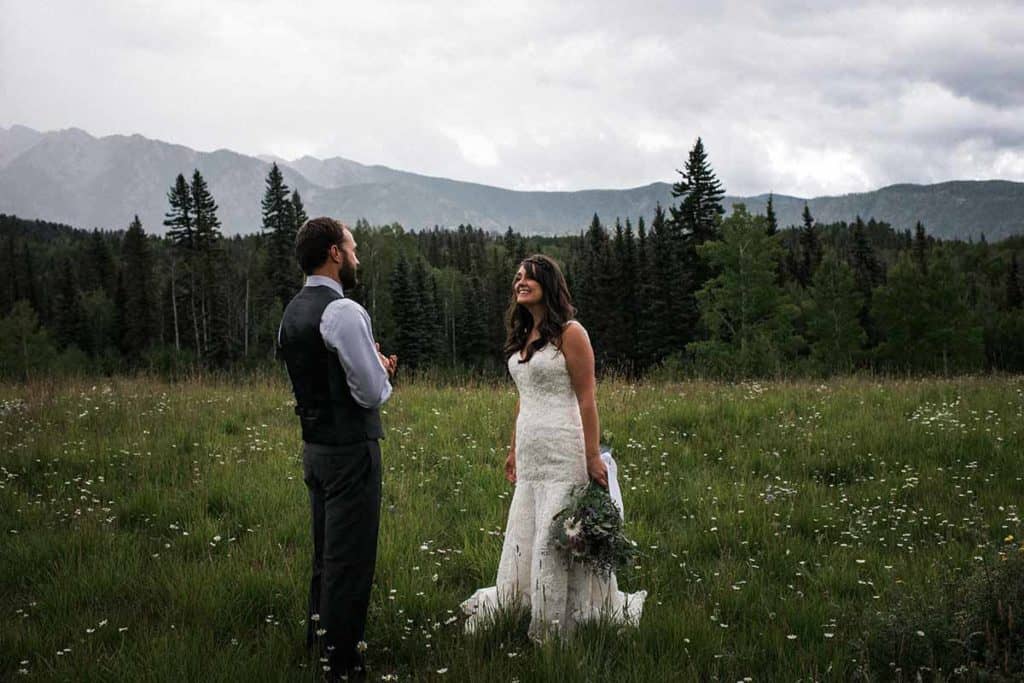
(789,531)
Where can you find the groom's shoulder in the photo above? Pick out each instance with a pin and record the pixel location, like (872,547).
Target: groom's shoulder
(345,307)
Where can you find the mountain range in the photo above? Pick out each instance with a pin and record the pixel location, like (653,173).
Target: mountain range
(70,176)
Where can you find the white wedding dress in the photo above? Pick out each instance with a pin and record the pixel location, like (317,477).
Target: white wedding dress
(550,463)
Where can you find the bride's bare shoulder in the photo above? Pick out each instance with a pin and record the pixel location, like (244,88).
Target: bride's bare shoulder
(574,335)
(573,327)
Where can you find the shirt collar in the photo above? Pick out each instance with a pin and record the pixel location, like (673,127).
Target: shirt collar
(324,281)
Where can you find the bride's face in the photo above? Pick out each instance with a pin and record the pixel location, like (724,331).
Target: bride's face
(527,290)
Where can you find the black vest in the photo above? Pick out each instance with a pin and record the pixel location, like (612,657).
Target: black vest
(324,404)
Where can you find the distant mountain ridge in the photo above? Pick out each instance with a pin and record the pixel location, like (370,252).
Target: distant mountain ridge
(73,177)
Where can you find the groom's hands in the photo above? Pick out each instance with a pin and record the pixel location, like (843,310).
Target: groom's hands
(390,363)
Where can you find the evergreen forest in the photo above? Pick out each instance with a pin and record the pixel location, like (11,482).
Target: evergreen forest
(686,291)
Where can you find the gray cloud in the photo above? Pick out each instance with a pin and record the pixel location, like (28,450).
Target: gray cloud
(801,98)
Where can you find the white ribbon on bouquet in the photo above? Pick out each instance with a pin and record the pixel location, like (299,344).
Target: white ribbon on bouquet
(613,480)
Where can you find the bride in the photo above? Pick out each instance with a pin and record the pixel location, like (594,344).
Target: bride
(554,450)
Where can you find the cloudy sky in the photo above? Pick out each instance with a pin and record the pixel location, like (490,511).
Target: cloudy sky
(803,98)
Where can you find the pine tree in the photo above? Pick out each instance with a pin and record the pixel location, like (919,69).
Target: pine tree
(810,249)
(283,274)
(424,288)
(510,244)
(138,324)
(921,248)
(473,337)
(407,315)
(791,265)
(171,299)
(98,323)
(120,303)
(496,295)
(209,280)
(628,275)
(9,289)
(694,221)
(1014,290)
(699,212)
(299,215)
(773,221)
(666,330)
(204,212)
(646,326)
(180,222)
(100,271)
(866,268)
(68,323)
(618,314)
(521,251)
(593,244)
(180,227)
(435,326)
(30,288)
(594,295)
(867,275)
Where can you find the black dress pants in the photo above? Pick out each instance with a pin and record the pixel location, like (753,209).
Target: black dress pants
(344,484)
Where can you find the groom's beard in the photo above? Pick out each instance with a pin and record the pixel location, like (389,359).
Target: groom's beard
(347,275)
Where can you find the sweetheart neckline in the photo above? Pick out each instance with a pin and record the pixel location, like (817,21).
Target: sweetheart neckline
(519,354)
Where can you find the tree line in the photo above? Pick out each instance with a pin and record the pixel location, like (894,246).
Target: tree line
(684,291)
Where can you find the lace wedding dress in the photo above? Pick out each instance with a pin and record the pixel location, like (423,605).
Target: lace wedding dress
(550,463)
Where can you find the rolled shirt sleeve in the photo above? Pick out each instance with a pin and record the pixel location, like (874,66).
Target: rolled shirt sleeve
(345,327)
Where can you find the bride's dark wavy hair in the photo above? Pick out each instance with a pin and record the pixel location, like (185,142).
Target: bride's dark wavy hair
(556,300)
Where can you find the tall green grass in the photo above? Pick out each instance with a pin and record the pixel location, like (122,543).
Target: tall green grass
(155,531)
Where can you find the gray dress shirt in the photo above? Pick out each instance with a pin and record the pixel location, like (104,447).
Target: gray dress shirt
(345,327)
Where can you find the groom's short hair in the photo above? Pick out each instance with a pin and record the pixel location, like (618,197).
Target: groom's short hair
(314,240)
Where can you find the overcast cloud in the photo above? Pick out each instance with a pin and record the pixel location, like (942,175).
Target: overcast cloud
(803,98)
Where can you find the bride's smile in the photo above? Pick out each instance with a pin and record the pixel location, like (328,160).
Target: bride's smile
(527,291)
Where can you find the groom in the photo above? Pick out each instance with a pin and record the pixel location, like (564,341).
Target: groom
(340,379)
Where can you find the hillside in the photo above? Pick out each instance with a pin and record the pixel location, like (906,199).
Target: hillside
(73,177)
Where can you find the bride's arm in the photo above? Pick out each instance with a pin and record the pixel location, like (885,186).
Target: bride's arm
(579,360)
(510,461)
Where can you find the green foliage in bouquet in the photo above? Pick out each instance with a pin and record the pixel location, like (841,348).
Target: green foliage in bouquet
(589,530)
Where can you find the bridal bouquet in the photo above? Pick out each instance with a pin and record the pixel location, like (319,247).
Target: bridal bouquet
(590,531)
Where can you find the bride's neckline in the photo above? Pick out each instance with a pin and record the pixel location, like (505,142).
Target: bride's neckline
(519,354)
